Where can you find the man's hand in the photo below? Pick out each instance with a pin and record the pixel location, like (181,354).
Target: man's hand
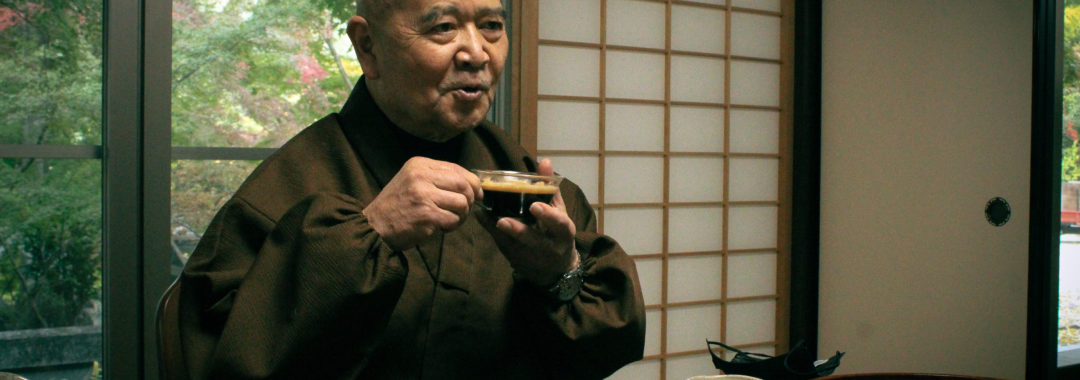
(540,253)
(425,196)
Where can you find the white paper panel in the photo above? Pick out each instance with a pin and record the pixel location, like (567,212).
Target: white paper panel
(568,71)
(583,170)
(633,179)
(634,75)
(653,323)
(695,278)
(755,35)
(751,274)
(697,129)
(563,125)
(695,229)
(754,83)
(754,131)
(751,322)
(570,20)
(685,367)
(752,227)
(697,79)
(697,29)
(636,127)
(766,5)
(640,370)
(754,179)
(640,231)
(635,23)
(650,273)
(696,179)
(688,327)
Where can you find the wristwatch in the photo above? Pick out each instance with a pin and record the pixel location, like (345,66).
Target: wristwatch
(569,285)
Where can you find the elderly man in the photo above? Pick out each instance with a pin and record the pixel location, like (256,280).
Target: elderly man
(355,252)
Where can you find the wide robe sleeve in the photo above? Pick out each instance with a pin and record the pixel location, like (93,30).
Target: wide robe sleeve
(306,296)
(603,328)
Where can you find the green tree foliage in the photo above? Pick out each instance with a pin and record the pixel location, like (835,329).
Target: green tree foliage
(245,73)
(252,73)
(248,73)
(1070,163)
(50,210)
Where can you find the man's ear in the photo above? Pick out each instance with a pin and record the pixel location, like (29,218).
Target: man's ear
(360,34)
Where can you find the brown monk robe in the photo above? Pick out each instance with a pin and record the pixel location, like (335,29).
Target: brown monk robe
(291,281)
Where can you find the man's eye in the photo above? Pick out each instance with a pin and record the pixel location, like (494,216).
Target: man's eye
(443,28)
(493,25)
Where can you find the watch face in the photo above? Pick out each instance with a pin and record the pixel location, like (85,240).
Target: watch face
(570,286)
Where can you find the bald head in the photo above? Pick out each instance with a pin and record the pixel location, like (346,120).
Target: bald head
(375,10)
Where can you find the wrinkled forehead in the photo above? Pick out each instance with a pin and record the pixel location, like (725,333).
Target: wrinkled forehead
(427,10)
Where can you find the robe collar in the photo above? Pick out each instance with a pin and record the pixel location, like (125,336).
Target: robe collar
(378,141)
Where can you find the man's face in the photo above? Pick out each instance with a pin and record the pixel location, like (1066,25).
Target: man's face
(436,64)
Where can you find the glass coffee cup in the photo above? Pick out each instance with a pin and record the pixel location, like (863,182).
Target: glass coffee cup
(510,193)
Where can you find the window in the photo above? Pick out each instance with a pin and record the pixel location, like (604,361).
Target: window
(1068,302)
(51,188)
(246,77)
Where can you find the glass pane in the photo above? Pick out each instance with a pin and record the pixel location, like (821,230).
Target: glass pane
(199,189)
(50,267)
(253,73)
(50,209)
(50,73)
(1069,249)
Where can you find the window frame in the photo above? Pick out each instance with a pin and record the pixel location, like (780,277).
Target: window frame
(1044,240)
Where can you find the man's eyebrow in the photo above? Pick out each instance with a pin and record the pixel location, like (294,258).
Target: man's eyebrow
(492,11)
(440,10)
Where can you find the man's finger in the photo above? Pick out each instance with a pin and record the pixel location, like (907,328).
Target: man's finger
(453,202)
(544,167)
(457,182)
(512,227)
(551,221)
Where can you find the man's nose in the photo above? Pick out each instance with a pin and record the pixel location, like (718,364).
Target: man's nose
(472,53)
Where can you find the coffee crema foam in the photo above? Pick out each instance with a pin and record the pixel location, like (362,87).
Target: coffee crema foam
(512,186)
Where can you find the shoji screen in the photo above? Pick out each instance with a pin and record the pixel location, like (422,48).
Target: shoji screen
(672,116)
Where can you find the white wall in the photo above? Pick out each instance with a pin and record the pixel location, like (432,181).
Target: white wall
(925,117)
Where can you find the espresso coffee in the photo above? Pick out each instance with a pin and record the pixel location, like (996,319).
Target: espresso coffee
(513,198)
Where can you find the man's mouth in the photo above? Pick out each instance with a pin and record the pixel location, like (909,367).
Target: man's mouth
(469,92)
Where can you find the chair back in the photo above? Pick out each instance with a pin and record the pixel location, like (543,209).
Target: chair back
(170,350)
